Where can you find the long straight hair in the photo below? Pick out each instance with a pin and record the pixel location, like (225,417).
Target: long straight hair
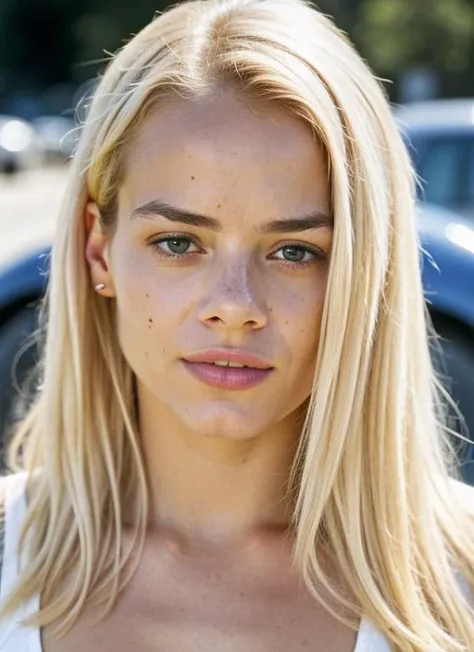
(372,475)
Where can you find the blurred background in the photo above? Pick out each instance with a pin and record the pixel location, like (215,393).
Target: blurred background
(51,52)
(49,48)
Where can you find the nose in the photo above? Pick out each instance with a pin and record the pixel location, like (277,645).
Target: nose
(232,300)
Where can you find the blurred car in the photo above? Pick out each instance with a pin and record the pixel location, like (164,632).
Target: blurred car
(57,137)
(440,136)
(19,145)
(447,244)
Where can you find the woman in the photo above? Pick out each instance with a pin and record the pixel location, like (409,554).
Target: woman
(237,442)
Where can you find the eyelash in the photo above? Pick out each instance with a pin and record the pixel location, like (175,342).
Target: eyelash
(315,251)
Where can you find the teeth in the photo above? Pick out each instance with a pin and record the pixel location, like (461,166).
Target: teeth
(226,363)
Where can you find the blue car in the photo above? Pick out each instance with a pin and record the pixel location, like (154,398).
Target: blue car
(447,244)
(440,137)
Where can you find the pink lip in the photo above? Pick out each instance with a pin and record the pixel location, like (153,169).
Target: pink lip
(232,355)
(200,365)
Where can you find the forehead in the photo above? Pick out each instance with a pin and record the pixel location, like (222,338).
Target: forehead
(226,152)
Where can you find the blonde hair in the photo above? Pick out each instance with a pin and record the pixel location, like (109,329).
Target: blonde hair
(371,474)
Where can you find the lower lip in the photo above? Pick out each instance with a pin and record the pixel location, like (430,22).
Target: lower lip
(227,377)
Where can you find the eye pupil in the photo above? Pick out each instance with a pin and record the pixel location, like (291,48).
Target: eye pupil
(294,254)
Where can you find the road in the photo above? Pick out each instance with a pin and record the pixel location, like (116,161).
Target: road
(29,208)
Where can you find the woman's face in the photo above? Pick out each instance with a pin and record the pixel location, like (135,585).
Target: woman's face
(221,253)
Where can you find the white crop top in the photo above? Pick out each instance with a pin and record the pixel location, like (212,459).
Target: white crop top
(17,638)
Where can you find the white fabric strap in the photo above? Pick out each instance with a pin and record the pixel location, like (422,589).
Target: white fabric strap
(13,636)
(370,639)
(15,509)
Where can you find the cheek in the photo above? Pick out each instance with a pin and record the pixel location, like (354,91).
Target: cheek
(300,315)
(147,316)
(299,320)
(150,303)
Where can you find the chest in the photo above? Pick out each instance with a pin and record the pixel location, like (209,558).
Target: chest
(226,628)
(201,607)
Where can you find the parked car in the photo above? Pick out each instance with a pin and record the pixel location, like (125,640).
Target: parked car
(447,242)
(19,145)
(440,135)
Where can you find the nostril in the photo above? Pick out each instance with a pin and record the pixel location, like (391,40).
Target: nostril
(223,312)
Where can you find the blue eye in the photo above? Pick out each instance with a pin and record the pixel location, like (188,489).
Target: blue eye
(294,254)
(298,254)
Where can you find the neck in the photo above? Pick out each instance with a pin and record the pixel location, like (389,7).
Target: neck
(216,490)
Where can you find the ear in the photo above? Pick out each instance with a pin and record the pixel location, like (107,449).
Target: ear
(96,253)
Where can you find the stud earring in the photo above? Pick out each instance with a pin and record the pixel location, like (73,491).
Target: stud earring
(99,287)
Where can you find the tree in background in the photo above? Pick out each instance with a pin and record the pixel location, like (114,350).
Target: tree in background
(396,35)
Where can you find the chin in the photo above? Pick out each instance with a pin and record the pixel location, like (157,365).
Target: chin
(225,420)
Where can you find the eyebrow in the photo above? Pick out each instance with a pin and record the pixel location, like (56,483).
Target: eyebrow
(157,208)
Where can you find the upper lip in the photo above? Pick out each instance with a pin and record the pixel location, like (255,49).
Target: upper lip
(231,355)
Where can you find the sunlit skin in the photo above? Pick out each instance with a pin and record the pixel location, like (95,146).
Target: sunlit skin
(216,571)
(218,459)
